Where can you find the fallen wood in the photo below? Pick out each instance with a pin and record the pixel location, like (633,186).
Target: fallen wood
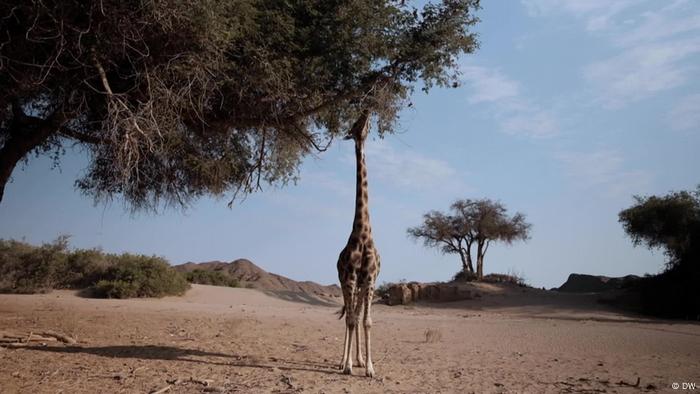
(161,391)
(61,337)
(204,382)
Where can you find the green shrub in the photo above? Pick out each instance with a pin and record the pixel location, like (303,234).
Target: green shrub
(214,278)
(30,269)
(139,276)
(115,289)
(27,269)
(83,268)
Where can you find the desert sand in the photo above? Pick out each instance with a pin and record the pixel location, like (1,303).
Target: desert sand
(214,339)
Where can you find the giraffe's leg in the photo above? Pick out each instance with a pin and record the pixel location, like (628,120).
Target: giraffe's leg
(367,322)
(351,323)
(349,297)
(345,348)
(360,361)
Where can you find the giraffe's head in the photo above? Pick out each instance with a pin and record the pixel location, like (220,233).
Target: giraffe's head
(360,128)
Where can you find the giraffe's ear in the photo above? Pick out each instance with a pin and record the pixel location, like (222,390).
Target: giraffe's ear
(348,136)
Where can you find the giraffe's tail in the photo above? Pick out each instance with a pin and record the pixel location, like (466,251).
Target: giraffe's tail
(341,312)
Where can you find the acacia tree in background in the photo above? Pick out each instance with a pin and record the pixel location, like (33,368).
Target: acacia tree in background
(672,223)
(175,99)
(470,222)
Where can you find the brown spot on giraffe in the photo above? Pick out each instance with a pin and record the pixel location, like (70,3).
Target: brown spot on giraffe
(358,263)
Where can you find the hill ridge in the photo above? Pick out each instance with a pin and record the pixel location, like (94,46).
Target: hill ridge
(251,275)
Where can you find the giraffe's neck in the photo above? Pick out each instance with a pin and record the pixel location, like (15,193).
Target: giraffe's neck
(361,222)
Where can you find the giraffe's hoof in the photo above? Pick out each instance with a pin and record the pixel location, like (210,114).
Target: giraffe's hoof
(347,370)
(369,372)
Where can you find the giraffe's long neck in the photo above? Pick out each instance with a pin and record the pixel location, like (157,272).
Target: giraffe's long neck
(361,221)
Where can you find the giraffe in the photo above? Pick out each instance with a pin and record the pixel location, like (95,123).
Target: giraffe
(358,263)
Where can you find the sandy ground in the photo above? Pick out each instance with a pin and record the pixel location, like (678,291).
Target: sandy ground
(240,340)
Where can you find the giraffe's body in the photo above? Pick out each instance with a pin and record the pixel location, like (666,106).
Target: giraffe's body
(358,264)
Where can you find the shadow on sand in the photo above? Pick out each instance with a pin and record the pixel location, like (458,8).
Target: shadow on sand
(551,305)
(171,353)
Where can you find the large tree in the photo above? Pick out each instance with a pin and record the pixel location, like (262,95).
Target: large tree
(470,222)
(671,223)
(175,99)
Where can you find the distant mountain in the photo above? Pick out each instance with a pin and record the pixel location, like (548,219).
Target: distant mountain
(582,283)
(250,275)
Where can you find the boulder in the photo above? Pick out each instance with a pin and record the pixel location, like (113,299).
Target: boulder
(399,294)
(406,293)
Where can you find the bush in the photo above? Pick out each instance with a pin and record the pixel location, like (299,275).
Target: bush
(139,276)
(28,269)
(464,276)
(214,278)
(511,277)
(83,268)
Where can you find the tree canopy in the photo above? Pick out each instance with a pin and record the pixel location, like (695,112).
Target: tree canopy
(670,222)
(470,222)
(176,99)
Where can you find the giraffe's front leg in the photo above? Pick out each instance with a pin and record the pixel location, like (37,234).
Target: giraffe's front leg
(345,348)
(360,361)
(368,327)
(347,362)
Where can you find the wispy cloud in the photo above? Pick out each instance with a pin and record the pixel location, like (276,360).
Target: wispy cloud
(488,85)
(686,114)
(409,169)
(657,44)
(515,114)
(596,14)
(603,170)
(642,71)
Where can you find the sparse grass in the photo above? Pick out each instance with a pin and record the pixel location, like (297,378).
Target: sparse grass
(433,335)
(30,269)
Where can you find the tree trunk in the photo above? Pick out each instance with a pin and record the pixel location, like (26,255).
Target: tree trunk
(469,262)
(480,260)
(24,137)
(466,262)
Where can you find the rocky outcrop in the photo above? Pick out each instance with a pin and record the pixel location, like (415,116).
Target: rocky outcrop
(406,293)
(582,283)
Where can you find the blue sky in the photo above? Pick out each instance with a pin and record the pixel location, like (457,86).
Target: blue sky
(567,110)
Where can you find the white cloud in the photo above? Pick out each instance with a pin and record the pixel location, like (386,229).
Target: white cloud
(488,85)
(533,123)
(603,171)
(597,14)
(657,41)
(686,114)
(409,169)
(514,114)
(664,24)
(642,71)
